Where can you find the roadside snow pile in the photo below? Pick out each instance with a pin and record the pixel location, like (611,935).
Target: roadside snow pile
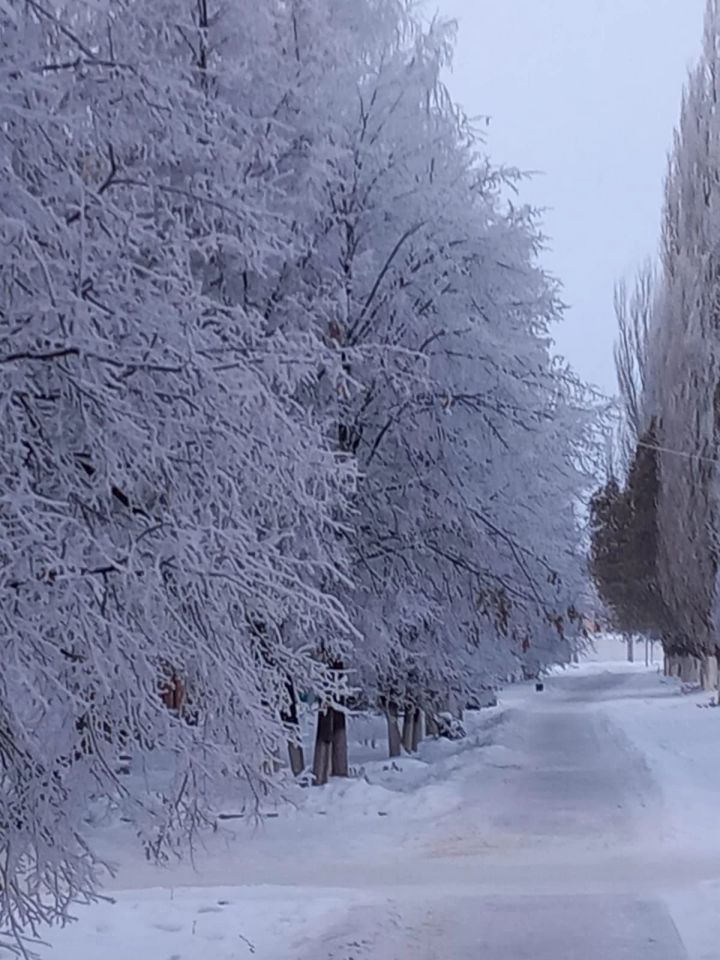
(378,785)
(679,743)
(677,737)
(384,807)
(595,667)
(218,923)
(250,888)
(420,787)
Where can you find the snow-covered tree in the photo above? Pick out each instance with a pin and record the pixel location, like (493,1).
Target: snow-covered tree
(168,508)
(450,395)
(669,377)
(279,408)
(682,391)
(634,312)
(624,509)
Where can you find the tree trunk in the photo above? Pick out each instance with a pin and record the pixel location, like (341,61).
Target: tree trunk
(689,669)
(417,730)
(431,725)
(290,717)
(323,748)
(340,766)
(297,758)
(709,673)
(630,650)
(684,668)
(408,734)
(394,738)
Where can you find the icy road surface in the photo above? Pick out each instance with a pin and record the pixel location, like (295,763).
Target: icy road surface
(576,824)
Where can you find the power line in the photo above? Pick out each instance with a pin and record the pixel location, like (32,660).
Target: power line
(678,453)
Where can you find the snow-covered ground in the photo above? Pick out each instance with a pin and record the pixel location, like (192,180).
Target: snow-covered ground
(575,824)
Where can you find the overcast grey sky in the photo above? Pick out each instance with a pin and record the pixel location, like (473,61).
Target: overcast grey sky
(588,92)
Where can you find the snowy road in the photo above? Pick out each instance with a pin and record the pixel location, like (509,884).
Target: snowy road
(553,860)
(557,831)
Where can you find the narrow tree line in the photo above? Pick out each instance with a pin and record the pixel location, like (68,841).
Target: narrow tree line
(655,523)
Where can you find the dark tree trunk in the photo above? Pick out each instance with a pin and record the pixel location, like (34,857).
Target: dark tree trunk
(408,734)
(431,725)
(323,748)
(340,766)
(393,726)
(417,730)
(296,756)
(331,753)
(290,718)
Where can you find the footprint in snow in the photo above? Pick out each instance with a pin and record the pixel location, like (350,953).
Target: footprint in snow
(168,927)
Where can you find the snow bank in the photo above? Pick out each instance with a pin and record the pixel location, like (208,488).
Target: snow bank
(218,923)
(678,738)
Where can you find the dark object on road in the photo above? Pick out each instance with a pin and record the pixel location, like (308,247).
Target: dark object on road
(539,686)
